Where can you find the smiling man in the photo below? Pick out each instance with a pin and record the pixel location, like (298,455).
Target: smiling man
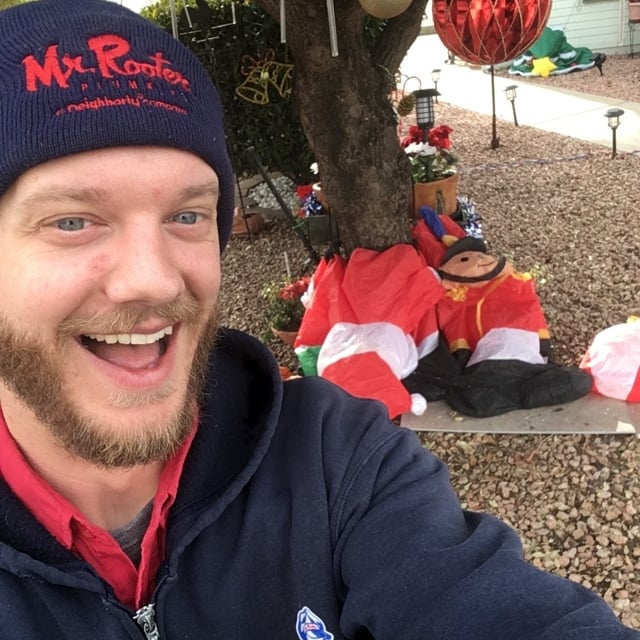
(157,479)
(111,276)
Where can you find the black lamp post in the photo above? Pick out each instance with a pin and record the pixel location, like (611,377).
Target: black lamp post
(425,112)
(495,141)
(511,97)
(613,120)
(435,76)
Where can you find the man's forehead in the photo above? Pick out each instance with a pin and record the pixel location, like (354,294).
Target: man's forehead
(85,176)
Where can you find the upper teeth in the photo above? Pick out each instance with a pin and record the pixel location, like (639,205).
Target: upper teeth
(131,338)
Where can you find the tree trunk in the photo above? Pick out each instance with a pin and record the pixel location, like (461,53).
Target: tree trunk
(348,118)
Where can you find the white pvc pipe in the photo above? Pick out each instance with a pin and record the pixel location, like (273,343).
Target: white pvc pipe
(174,19)
(333,34)
(283,22)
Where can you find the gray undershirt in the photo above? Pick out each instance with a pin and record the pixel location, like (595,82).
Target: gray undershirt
(130,536)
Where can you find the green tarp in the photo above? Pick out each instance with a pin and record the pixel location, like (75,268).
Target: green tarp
(551,54)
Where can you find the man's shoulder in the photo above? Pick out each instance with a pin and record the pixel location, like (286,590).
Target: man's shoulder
(308,413)
(317,412)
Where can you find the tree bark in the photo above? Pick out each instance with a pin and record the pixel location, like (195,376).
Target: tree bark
(348,118)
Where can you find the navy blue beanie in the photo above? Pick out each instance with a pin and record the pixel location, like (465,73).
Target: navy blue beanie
(79,75)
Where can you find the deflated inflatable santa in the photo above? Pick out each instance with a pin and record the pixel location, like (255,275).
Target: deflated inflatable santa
(369,319)
(387,325)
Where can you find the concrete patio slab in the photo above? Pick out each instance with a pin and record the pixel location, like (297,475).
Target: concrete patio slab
(592,414)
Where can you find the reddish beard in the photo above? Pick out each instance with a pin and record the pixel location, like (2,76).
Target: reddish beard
(34,371)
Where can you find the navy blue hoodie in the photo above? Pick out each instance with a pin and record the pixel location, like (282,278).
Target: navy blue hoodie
(302,513)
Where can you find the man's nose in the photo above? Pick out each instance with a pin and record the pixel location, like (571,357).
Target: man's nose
(145,268)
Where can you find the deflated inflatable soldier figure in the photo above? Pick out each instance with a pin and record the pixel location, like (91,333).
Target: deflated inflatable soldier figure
(157,478)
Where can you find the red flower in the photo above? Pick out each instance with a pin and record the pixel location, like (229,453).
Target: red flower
(295,289)
(439,137)
(304,191)
(415,136)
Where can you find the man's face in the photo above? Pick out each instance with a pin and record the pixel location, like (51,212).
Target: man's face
(109,273)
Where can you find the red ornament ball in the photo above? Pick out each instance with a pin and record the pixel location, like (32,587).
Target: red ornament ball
(489,31)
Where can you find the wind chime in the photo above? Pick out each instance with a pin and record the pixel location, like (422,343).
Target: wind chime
(202,8)
(174,18)
(376,8)
(489,32)
(333,32)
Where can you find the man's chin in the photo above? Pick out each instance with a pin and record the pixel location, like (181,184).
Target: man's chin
(141,433)
(142,399)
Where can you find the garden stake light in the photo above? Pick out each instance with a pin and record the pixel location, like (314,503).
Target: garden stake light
(511,97)
(613,120)
(425,112)
(435,76)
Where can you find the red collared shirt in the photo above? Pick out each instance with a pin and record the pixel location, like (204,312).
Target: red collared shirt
(132,585)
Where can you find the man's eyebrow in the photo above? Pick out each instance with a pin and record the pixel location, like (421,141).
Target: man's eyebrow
(55,193)
(194,191)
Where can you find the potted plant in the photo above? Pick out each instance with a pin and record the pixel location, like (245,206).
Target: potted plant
(433,168)
(284,308)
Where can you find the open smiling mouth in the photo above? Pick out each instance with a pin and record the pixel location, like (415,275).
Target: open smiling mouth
(129,350)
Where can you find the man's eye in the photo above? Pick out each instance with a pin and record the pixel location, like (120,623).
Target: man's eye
(186,217)
(71,224)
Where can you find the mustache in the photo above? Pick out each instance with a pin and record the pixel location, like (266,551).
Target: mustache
(122,320)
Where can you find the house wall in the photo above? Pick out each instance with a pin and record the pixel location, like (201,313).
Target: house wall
(600,25)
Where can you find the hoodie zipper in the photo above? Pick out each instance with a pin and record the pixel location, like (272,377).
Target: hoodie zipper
(146,619)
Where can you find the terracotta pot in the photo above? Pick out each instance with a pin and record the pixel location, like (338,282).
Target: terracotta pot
(288,337)
(251,223)
(440,195)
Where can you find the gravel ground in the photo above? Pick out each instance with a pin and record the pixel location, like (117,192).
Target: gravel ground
(566,211)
